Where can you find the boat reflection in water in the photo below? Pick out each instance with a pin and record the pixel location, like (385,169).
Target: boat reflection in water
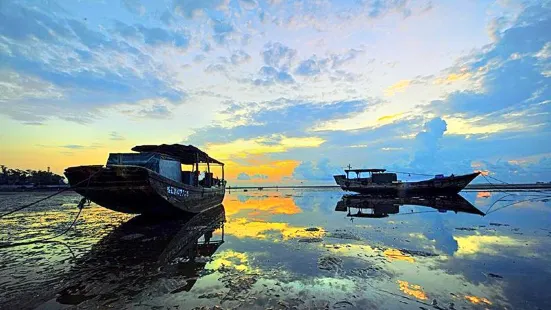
(143,258)
(382,206)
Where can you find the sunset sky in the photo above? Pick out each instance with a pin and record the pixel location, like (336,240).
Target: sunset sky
(281,91)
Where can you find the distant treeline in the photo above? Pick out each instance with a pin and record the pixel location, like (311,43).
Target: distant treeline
(29,177)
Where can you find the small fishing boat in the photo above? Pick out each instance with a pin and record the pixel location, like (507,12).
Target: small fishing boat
(382,206)
(156,179)
(382,182)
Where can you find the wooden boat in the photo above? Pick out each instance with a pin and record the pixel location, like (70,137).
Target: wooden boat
(143,258)
(151,181)
(382,206)
(381,182)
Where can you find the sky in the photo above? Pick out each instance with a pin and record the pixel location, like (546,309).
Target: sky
(281,91)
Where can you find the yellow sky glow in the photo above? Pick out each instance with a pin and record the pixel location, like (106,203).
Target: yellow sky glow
(397,87)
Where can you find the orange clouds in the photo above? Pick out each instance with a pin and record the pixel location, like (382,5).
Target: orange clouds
(478,300)
(394,254)
(412,290)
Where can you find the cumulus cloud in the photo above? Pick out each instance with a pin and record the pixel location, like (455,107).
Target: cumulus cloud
(321,170)
(215,68)
(239,57)
(427,143)
(278,55)
(507,82)
(270,75)
(243,176)
(259,176)
(310,67)
(221,31)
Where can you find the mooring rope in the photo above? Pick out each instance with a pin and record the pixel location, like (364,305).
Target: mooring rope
(14,244)
(52,195)
(80,207)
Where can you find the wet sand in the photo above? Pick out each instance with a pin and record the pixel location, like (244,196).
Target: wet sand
(287,249)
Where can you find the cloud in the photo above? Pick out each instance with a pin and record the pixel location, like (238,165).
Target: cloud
(270,76)
(260,176)
(309,67)
(261,145)
(248,4)
(321,170)
(221,31)
(243,176)
(79,146)
(517,171)
(239,57)
(116,136)
(198,58)
(73,146)
(191,8)
(158,108)
(496,26)
(134,6)
(397,87)
(248,120)
(339,60)
(507,82)
(427,143)
(84,64)
(152,36)
(155,111)
(212,68)
(278,56)
(379,8)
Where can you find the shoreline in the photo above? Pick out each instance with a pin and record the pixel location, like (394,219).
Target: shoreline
(470,187)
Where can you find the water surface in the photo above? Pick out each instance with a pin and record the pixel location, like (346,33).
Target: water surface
(281,250)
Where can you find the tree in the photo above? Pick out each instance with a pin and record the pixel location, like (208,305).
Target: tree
(28,177)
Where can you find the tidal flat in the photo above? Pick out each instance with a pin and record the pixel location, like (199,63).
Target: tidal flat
(286,249)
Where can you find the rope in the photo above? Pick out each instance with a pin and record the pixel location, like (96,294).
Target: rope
(14,244)
(520,201)
(497,179)
(52,195)
(80,207)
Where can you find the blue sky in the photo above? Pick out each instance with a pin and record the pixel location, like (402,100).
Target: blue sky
(283,91)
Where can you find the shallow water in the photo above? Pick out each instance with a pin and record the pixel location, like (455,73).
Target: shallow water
(281,250)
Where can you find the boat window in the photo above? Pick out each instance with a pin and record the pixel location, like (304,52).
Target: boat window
(171,169)
(147,160)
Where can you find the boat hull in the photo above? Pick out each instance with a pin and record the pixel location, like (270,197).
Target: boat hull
(441,186)
(137,190)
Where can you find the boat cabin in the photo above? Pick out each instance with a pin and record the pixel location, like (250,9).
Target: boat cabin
(375,175)
(180,163)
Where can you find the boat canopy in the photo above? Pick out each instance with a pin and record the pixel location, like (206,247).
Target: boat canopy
(187,154)
(365,170)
